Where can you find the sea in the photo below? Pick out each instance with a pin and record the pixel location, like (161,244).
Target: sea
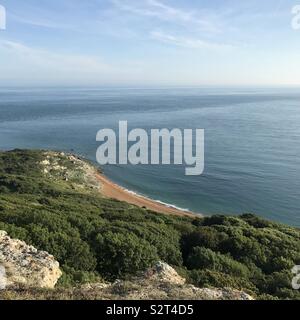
(252,141)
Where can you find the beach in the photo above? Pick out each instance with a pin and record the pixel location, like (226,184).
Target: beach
(111,190)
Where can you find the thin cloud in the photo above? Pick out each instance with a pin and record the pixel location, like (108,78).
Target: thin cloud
(187,42)
(45,58)
(39,22)
(161,11)
(21,63)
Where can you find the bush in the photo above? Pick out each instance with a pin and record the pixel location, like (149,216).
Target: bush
(95,237)
(208,278)
(203,258)
(72,277)
(123,254)
(208,238)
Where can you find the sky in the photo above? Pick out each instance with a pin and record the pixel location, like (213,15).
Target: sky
(149,43)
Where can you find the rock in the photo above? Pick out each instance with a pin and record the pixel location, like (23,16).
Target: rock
(160,282)
(70,168)
(26,266)
(45,162)
(223,294)
(164,273)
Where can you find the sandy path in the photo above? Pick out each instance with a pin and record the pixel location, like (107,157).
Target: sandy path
(114,191)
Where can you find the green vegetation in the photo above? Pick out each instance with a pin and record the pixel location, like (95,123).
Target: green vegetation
(93,237)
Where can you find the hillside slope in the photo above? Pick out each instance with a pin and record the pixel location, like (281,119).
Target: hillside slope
(52,201)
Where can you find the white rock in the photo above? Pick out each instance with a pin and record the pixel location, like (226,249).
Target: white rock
(45,162)
(25,265)
(165,273)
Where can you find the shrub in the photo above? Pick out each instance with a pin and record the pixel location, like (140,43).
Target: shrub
(203,258)
(95,237)
(121,254)
(208,278)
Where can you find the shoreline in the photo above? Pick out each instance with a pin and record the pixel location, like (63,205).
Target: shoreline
(112,190)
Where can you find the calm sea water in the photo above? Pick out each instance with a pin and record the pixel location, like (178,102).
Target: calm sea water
(252,142)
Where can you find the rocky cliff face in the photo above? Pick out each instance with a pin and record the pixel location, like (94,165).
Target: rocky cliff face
(26,266)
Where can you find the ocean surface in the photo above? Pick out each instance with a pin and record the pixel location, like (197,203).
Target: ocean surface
(252,141)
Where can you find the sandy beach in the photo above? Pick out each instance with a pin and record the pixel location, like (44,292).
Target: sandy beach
(111,190)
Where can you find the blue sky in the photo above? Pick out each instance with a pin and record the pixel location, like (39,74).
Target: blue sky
(149,42)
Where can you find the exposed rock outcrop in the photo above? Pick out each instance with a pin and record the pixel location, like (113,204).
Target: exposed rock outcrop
(162,272)
(70,168)
(160,282)
(26,266)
